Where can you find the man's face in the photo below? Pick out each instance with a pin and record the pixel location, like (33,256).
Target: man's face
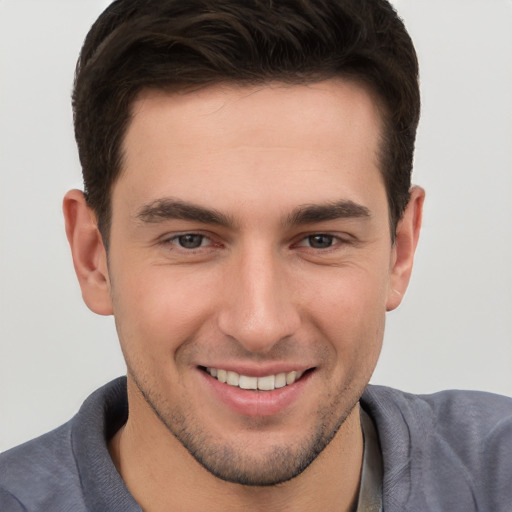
(250,236)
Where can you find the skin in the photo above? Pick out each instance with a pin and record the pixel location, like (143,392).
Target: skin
(279,279)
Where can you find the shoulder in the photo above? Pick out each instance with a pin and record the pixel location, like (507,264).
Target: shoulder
(451,445)
(70,468)
(37,474)
(466,415)
(448,408)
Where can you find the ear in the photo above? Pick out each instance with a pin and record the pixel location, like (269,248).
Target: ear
(407,235)
(89,255)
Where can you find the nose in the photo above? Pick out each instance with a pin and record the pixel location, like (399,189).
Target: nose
(258,308)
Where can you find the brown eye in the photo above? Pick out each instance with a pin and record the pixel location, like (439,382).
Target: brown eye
(320,241)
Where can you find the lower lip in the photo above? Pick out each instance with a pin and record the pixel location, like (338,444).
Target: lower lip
(256,403)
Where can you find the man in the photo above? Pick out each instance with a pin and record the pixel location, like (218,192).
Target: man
(248,219)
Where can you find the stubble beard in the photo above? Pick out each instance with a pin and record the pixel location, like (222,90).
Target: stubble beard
(232,464)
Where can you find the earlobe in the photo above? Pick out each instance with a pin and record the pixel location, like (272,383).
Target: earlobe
(407,235)
(88,251)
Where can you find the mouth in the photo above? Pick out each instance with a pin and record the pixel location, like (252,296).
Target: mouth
(263,383)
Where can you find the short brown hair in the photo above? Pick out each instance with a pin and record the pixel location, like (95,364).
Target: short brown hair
(176,44)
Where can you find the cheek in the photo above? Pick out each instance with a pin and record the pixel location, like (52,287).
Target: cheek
(354,293)
(350,313)
(159,308)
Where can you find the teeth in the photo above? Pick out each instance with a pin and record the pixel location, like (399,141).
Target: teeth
(248,382)
(232,378)
(290,377)
(280,380)
(267,383)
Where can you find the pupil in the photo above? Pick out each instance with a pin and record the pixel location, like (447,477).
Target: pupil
(320,241)
(190,241)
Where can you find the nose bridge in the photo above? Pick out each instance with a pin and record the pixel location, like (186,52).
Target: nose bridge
(259,309)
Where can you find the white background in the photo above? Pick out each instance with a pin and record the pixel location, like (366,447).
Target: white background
(454,329)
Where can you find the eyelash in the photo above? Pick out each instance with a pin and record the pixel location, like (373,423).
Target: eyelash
(174,240)
(334,241)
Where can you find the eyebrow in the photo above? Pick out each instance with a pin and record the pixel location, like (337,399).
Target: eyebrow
(309,214)
(168,209)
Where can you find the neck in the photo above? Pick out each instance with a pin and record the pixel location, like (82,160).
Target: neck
(162,475)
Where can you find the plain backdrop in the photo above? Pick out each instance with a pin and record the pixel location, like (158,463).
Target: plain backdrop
(454,329)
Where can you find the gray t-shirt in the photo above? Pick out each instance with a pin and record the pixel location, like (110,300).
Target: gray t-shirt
(447,452)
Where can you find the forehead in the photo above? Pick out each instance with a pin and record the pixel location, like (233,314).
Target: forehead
(277,112)
(291,143)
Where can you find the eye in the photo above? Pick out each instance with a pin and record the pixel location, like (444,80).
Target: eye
(319,241)
(190,240)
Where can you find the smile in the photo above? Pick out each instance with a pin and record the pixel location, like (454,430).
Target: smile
(266,383)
